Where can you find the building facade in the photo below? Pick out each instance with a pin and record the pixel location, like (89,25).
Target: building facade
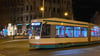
(22,11)
(4,17)
(96,18)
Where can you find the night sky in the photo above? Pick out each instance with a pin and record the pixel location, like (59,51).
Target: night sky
(84,10)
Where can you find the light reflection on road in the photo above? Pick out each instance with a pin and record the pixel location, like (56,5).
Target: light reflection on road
(67,52)
(72,51)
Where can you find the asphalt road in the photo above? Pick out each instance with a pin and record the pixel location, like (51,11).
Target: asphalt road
(21,48)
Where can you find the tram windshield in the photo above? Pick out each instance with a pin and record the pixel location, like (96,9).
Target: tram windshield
(36,29)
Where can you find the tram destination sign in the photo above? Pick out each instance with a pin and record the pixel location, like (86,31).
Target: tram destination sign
(36,24)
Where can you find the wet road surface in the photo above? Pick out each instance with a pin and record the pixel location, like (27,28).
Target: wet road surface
(21,48)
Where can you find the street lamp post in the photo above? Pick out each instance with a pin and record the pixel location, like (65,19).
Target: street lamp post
(42,9)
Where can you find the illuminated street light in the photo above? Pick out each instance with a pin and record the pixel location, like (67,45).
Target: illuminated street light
(66,13)
(42,9)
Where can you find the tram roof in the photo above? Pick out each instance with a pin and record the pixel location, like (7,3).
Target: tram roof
(59,20)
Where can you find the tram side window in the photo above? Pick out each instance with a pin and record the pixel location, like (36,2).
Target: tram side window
(63,31)
(95,32)
(37,31)
(77,31)
(99,33)
(84,32)
(59,31)
(68,31)
(92,33)
(46,31)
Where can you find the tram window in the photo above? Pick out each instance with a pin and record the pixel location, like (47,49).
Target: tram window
(46,31)
(77,31)
(68,31)
(83,32)
(95,32)
(59,31)
(36,31)
(99,33)
(92,33)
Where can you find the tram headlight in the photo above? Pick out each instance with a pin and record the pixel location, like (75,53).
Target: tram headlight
(37,37)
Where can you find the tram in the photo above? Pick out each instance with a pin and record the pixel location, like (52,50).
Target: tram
(57,33)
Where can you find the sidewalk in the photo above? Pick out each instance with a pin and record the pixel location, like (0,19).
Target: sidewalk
(2,39)
(10,39)
(14,37)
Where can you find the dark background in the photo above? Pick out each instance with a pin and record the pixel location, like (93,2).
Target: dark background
(83,10)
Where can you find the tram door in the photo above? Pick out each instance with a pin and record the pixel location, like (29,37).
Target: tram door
(36,30)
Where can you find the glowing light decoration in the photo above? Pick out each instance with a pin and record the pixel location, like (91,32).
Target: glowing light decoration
(5,32)
(11,29)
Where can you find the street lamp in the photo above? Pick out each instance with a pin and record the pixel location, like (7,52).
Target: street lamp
(66,13)
(42,8)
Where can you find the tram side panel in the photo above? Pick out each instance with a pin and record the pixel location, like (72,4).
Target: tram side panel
(71,41)
(52,31)
(95,39)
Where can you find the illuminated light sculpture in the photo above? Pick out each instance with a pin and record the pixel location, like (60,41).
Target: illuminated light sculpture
(11,29)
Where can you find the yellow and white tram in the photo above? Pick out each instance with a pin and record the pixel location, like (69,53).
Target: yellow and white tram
(57,32)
